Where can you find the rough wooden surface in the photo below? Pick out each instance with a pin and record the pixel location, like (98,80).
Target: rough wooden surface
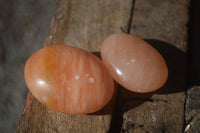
(84,24)
(164,25)
(162,20)
(192,110)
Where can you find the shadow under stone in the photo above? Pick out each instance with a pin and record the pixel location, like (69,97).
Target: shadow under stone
(176,62)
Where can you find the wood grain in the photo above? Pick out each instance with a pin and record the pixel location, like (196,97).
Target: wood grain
(86,23)
(83,24)
(162,20)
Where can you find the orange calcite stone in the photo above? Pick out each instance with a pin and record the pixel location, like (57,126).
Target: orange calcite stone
(68,79)
(133,63)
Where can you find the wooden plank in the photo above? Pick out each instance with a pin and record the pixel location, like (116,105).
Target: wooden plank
(84,24)
(164,25)
(162,20)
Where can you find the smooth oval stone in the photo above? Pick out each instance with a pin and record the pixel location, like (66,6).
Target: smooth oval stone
(133,63)
(68,79)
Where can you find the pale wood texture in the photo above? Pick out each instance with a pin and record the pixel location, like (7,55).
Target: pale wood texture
(86,23)
(83,24)
(164,25)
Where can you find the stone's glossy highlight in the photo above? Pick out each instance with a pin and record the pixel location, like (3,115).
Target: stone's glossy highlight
(133,63)
(68,79)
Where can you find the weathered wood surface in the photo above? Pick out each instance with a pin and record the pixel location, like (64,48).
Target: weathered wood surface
(84,24)
(164,25)
(192,110)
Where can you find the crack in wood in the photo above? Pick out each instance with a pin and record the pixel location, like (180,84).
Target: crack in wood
(131,17)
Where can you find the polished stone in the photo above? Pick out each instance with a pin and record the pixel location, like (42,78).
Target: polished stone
(68,79)
(133,63)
